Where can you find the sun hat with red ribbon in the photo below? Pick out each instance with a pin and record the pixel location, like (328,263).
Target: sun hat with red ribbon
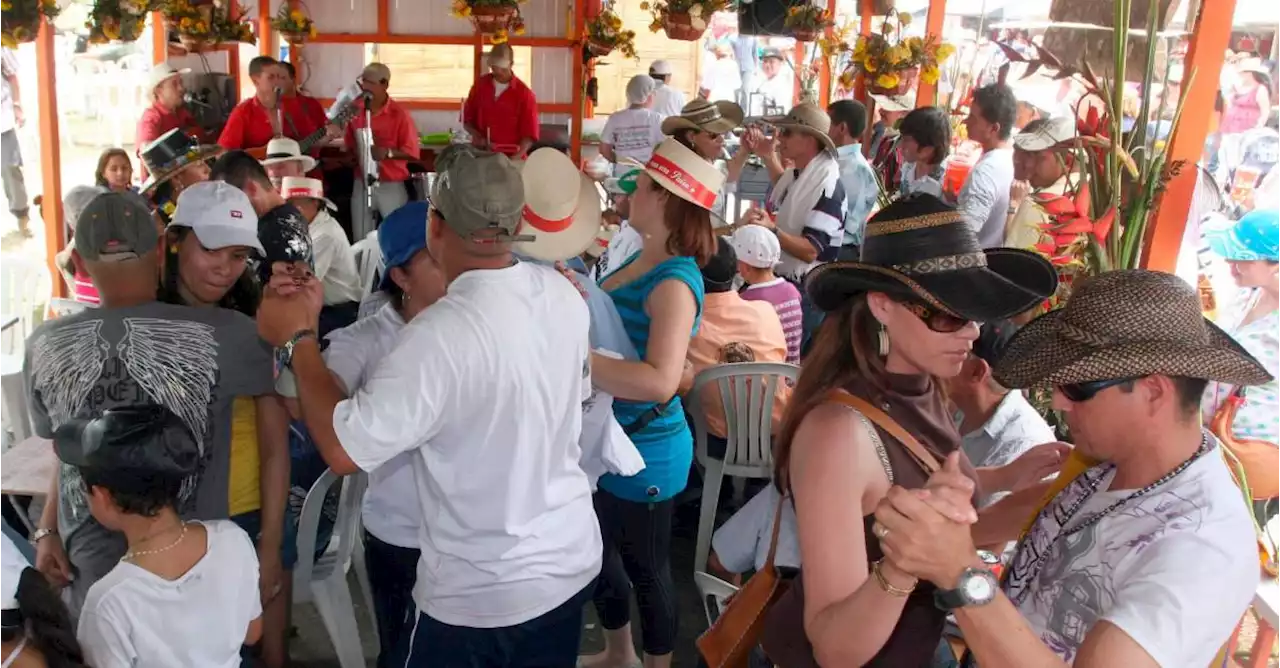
(301,186)
(563,220)
(684,173)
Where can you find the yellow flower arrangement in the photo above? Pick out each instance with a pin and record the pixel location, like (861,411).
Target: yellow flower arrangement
(200,25)
(697,12)
(293,23)
(22,20)
(806,21)
(497,19)
(118,20)
(892,61)
(605,34)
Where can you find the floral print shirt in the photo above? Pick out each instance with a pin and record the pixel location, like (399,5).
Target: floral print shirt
(1259,417)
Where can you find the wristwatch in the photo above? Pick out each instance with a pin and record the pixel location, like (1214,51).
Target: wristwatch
(284,354)
(41,534)
(976,586)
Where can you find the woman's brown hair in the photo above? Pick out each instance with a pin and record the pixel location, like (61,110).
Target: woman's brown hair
(688,228)
(845,348)
(100,174)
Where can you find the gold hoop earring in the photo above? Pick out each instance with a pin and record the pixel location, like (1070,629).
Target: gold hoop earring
(882,339)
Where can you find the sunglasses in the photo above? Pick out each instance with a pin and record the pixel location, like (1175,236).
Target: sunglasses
(1080,392)
(936,319)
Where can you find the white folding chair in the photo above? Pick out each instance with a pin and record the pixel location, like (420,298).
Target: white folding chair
(25,288)
(747,391)
(713,592)
(323,581)
(369,260)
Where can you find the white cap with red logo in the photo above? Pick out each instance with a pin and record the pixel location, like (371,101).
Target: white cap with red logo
(219,214)
(301,186)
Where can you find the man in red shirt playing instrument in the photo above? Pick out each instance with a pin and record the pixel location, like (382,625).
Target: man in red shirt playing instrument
(254,121)
(167,111)
(311,107)
(501,113)
(395,142)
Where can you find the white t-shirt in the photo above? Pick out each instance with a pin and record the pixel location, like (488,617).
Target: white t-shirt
(632,133)
(335,262)
(721,79)
(1173,569)
(485,388)
(625,243)
(667,101)
(391,510)
(773,96)
(984,198)
(133,618)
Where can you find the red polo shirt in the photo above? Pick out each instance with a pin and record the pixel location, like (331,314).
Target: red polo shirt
(393,128)
(506,119)
(157,120)
(249,125)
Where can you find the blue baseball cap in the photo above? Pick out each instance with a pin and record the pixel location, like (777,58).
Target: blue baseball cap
(401,235)
(1256,236)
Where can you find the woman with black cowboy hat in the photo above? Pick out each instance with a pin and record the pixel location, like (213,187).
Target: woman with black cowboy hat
(702,127)
(897,321)
(174,162)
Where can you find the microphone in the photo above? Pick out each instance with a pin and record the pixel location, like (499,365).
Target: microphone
(192,98)
(279,93)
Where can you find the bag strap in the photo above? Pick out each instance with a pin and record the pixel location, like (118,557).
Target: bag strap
(925,459)
(773,542)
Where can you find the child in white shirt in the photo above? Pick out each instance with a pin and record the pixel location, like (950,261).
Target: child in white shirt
(185,593)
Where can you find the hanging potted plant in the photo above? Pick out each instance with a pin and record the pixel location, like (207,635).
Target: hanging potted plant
(684,20)
(893,63)
(490,17)
(805,22)
(203,25)
(22,20)
(604,35)
(293,24)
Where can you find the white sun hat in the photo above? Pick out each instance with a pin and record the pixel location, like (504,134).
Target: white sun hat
(301,186)
(283,149)
(563,220)
(684,173)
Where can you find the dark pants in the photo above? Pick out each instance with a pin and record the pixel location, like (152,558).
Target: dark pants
(548,641)
(393,571)
(637,551)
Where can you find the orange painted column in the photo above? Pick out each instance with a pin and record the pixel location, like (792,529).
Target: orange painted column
(593,10)
(50,152)
(927,93)
(159,39)
(825,74)
(265,33)
(579,80)
(1209,40)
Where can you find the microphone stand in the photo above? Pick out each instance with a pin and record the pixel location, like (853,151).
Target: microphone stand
(367,162)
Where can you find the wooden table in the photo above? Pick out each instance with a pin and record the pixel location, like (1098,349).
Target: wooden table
(26,468)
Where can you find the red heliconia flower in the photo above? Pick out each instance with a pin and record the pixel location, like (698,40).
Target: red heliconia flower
(1103,226)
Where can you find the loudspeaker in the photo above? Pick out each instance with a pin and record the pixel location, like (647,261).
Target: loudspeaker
(763,17)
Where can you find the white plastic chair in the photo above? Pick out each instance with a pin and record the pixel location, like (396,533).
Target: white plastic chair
(747,391)
(25,289)
(323,581)
(713,592)
(61,307)
(369,260)
(16,416)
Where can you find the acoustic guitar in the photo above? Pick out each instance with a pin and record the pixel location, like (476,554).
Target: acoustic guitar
(344,116)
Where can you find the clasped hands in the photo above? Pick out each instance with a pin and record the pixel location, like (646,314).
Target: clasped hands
(291,302)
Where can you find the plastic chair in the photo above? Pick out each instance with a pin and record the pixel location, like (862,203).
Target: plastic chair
(62,307)
(747,391)
(25,289)
(323,581)
(16,415)
(713,592)
(369,261)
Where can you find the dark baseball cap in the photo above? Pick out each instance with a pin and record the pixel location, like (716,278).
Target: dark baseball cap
(116,227)
(718,273)
(148,440)
(993,339)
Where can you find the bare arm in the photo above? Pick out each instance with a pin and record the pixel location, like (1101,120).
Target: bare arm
(998,636)
(606,151)
(797,247)
(736,163)
(273,457)
(672,310)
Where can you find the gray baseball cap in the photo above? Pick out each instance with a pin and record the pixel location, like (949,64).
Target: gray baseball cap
(116,227)
(75,201)
(479,190)
(219,214)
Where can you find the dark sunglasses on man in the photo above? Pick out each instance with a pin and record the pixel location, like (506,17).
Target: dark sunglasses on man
(1081,392)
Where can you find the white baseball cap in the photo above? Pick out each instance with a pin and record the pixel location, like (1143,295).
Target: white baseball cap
(301,186)
(162,72)
(660,68)
(1045,133)
(639,88)
(756,246)
(220,214)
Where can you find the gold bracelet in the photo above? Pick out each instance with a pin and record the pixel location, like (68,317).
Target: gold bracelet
(886,585)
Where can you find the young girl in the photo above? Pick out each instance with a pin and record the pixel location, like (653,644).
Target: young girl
(185,593)
(37,629)
(115,171)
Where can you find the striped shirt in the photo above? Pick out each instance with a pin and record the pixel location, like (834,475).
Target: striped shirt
(785,299)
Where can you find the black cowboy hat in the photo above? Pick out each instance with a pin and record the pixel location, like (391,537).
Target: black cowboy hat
(921,248)
(142,439)
(171,153)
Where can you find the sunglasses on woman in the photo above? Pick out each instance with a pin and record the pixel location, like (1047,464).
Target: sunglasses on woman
(936,319)
(1080,392)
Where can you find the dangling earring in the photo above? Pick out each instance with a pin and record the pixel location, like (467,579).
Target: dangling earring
(882,338)
(173,248)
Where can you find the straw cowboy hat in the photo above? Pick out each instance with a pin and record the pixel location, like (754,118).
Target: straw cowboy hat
(284,149)
(714,117)
(683,173)
(922,249)
(563,220)
(162,73)
(171,153)
(301,186)
(1126,324)
(905,102)
(809,119)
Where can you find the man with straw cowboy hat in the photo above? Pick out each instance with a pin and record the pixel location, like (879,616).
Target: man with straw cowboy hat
(1147,555)
(168,109)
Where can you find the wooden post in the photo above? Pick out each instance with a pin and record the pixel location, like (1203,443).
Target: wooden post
(50,152)
(594,8)
(1209,38)
(159,39)
(866,9)
(926,93)
(579,80)
(265,34)
(825,74)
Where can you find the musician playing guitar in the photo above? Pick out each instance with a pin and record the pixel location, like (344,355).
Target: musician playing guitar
(395,141)
(270,113)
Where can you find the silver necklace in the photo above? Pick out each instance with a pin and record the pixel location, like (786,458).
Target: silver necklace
(134,554)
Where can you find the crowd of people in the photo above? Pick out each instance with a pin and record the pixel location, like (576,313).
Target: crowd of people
(515,390)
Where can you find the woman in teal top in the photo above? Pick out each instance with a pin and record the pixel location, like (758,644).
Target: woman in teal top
(658,294)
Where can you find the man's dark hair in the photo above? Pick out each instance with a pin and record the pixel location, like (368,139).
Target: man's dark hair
(930,128)
(260,63)
(1189,393)
(143,493)
(852,113)
(996,104)
(239,168)
(288,67)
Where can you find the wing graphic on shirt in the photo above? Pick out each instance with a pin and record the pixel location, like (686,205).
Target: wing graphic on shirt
(68,362)
(176,363)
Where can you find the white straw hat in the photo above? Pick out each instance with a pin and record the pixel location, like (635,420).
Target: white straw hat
(283,149)
(684,173)
(301,186)
(563,220)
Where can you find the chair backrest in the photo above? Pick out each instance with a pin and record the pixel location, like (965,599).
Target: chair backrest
(747,392)
(344,529)
(368,260)
(61,307)
(25,288)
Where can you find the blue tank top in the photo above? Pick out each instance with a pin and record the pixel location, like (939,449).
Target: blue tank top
(666,443)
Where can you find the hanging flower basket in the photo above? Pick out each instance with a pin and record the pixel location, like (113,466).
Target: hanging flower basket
(597,49)
(491,20)
(22,20)
(295,38)
(905,81)
(196,44)
(293,24)
(804,35)
(680,27)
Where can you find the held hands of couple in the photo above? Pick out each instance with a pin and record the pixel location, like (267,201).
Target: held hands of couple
(758,216)
(756,141)
(926,532)
(291,302)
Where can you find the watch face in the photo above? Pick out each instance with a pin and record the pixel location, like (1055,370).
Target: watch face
(978,586)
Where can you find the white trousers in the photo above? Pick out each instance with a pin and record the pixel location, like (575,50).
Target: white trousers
(387,197)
